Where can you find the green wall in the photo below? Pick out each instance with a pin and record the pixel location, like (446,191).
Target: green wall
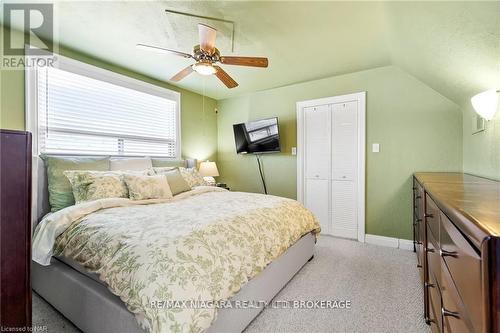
(481,150)
(417,128)
(198,117)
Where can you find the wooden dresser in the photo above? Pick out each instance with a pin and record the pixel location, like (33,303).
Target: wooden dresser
(15,231)
(456,238)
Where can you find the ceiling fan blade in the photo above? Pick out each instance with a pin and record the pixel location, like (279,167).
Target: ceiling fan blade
(225,78)
(245,61)
(162,50)
(182,74)
(207,38)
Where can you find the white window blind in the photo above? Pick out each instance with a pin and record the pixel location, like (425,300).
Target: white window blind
(82,115)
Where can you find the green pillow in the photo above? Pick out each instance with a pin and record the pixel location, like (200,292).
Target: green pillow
(163,162)
(175,180)
(60,191)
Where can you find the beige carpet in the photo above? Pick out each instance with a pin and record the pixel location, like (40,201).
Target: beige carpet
(381,283)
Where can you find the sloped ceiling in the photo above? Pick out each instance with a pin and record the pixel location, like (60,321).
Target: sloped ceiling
(454,47)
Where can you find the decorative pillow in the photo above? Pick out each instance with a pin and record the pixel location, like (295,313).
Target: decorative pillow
(133,164)
(165,162)
(192,177)
(175,181)
(92,185)
(60,191)
(147,187)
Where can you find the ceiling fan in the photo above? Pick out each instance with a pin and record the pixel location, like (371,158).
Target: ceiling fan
(206,56)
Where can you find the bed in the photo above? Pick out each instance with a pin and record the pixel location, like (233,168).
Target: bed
(117,265)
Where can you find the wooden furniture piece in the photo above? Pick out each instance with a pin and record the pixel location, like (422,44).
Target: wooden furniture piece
(15,230)
(456,237)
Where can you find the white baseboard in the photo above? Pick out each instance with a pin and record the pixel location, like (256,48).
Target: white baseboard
(403,244)
(406,244)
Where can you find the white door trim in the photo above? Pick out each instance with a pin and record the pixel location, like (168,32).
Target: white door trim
(360,97)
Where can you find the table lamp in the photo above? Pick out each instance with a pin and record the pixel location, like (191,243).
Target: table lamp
(209,170)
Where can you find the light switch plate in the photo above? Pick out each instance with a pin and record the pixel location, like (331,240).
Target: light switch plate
(376,148)
(294,150)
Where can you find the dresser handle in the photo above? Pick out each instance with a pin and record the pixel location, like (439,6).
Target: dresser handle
(444,253)
(418,197)
(430,250)
(430,285)
(431,321)
(418,220)
(419,266)
(447,313)
(429,215)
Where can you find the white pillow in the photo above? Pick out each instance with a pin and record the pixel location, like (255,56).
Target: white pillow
(132,164)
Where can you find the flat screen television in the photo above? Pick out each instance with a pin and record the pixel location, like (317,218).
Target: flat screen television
(257,137)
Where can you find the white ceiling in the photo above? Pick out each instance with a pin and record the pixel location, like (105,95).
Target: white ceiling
(453,47)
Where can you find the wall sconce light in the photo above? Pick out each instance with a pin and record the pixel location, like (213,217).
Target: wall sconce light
(486,103)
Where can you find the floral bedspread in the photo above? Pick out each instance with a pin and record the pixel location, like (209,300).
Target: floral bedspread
(203,247)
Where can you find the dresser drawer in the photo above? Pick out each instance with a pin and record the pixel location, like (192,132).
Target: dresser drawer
(432,216)
(433,257)
(435,318)
(464,266)
(418,200)
(454,315)
(420,261)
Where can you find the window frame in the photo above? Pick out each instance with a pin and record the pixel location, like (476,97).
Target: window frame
(97,73)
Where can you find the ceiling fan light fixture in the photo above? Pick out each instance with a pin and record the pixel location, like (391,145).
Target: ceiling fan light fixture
(204,68)
(207,56)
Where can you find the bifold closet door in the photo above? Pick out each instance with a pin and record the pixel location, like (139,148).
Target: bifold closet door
(344,152)
(317,125)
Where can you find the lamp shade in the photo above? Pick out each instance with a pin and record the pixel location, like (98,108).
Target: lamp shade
(486,103)
(208,169)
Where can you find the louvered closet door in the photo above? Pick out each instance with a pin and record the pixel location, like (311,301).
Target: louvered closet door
(317,122)
(344,147)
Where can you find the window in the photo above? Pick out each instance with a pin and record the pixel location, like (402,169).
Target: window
(81,109)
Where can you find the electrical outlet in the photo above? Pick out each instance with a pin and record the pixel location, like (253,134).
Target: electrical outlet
(294,150)
(376,148)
